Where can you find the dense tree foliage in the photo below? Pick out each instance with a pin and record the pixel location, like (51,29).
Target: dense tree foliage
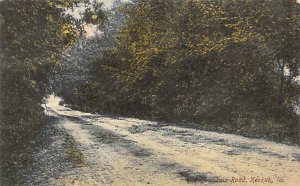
(226,65)
(81,77)
(33,35)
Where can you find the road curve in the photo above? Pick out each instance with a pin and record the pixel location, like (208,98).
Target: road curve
(126,151)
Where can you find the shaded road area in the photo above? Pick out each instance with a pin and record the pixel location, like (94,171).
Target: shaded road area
(126,151)
(78,148)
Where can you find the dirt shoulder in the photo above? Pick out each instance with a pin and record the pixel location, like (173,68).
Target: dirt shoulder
(48,155)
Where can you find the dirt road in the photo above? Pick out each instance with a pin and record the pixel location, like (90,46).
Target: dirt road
(125,151)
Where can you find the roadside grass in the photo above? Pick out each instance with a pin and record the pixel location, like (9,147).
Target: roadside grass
(72,152)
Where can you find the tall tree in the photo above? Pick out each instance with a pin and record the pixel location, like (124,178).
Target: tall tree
(33,35)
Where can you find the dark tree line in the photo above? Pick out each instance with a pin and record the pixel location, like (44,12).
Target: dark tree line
(33,35)
(225,65)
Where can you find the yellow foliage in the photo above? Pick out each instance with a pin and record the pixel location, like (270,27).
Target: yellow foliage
(94,17)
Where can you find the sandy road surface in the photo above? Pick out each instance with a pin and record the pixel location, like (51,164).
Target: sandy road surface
(125,151)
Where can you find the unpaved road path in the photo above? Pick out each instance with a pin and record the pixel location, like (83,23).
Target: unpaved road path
(125,151)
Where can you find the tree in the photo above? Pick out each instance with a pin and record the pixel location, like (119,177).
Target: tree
(223,64)
(33,35)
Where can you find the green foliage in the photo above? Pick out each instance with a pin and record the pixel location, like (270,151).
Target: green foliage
(232,64)
(33,35)
(72,152)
